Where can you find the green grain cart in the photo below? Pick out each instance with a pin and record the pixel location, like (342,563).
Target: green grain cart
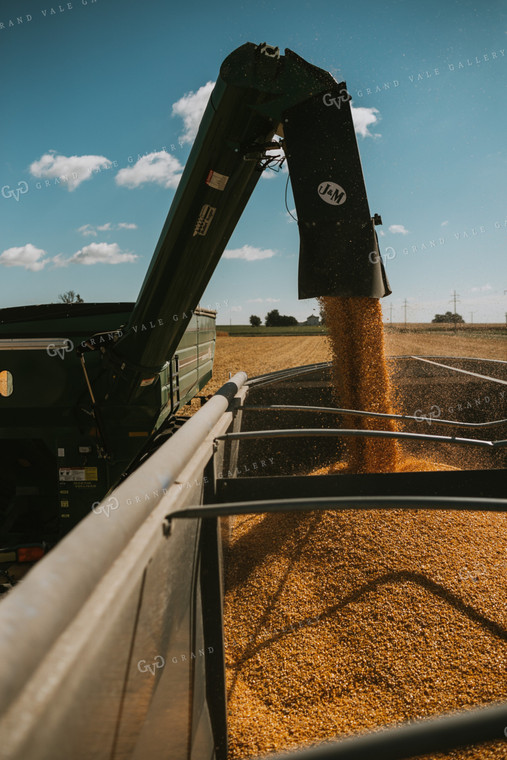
(112,645)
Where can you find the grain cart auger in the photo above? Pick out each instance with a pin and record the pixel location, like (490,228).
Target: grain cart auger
(112,647)
(89,389)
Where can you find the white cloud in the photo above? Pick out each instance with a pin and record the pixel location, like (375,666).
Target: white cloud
(277,153)
(190,108)
(398,229)
(363,118)
(87,229)
(96,253)
(444,223)
(26,256)
(90,230)
(249,253)
(32,258)
(269,173)
(263,300)
(291,215)
(481,288)
(381,233)
(70,170)
(236,308)
(159,167)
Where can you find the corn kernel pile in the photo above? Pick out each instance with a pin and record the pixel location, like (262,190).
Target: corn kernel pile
(339,622)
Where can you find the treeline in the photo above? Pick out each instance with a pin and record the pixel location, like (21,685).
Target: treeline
(273,319)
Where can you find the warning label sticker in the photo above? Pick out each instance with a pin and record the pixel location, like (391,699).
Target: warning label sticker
(77,473)
(204,220)
(216,180)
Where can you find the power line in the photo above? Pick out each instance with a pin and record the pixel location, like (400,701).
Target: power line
(454,299)
(405,307)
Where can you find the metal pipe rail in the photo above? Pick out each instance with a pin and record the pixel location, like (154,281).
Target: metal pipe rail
(410,740)
(59,585)
(36,344)
(273,377)
(307,504)
(458,369)
(282,374)
(337,432)
(452,358)
(360,413)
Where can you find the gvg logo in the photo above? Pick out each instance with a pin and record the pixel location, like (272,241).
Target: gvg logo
(21,189)
(61,349)
(472,574)
(270,50)
(374,257)
(107,507)
(434,413)
(342,97)
(332,193)
(144,666)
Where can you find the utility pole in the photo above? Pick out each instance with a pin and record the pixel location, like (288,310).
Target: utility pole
(405,307)
(454,299)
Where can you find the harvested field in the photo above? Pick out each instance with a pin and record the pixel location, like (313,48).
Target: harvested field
(256,356)
(427,343)
(268,354)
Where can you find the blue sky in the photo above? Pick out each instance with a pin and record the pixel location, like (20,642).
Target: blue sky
(111,92)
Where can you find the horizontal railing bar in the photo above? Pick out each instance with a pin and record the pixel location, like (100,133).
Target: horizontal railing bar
(338,432)
(360,413)
(273,377)
(35,344)
(310,504)
(464,371)
(247,484)
(409,740)
(447,358)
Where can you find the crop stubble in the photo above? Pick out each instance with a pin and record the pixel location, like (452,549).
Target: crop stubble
(268,354)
